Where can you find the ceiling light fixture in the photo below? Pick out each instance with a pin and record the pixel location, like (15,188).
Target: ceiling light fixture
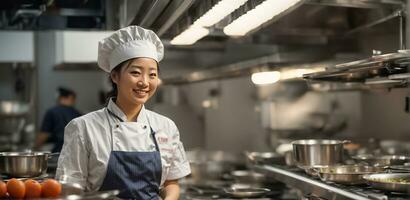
(199,29)
(262,78)
(190,36)
(218,12)
(257,16)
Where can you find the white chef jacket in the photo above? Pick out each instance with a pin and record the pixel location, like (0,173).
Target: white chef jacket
(88,143)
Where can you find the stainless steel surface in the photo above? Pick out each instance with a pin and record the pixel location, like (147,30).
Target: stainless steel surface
(309,153)
(247,192)
(312,186)
(382,160)
(347,174)
(21,164)
(390,181)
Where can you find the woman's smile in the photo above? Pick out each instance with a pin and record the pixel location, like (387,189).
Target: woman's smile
(141,93)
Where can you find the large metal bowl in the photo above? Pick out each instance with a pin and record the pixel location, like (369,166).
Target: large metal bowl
(24,165)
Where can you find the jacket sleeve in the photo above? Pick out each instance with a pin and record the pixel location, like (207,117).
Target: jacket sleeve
(73,160)
(180,165)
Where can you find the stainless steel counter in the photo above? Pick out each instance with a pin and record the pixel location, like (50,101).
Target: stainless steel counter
(296,178)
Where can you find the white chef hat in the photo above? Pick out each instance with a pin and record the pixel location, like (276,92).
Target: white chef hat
(126,43)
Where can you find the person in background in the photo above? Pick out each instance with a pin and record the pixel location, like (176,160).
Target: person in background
(55,120)
(125,146)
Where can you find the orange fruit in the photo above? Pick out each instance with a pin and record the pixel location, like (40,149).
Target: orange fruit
(3,189)
(16,188)
(50,188)
(33,189)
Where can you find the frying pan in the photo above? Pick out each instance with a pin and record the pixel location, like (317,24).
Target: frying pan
(347,174)
(393,182)
(247,192)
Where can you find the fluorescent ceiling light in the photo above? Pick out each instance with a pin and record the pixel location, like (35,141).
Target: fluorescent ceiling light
(190,36)
(197,31)
(257,16)
(220,10)
(261,78)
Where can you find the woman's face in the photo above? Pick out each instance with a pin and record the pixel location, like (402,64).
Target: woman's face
(137,81)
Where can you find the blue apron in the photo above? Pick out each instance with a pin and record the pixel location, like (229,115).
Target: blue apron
(136,174)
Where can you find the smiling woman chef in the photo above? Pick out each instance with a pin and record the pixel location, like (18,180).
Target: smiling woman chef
(126,146)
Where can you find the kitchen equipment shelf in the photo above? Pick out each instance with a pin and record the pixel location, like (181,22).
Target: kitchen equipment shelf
(296,178)
(387,66)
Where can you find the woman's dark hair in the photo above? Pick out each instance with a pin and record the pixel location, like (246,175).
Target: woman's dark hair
(117,69)
(65,92)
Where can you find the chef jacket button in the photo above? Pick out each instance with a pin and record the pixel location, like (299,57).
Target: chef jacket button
(117,126)
(144,127)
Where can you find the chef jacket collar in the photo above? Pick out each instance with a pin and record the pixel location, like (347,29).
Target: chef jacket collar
(142,116)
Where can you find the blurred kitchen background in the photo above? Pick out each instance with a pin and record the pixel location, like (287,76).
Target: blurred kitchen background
(238,75)
(207,87)
(212,68)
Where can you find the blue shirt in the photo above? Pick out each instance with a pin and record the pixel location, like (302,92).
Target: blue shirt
(54,122)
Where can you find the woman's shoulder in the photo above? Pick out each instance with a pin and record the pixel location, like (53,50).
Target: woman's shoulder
(159,118)
(91,117)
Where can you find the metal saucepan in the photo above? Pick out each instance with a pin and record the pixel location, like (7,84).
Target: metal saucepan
(212,165)
(382,160)
(22,164)
(265,158)
(308,153)
(393,182)
(347,174)
(247,192)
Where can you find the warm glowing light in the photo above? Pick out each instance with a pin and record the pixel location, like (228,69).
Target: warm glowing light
(190,36)
(199,29)
(261,78)
(257,16)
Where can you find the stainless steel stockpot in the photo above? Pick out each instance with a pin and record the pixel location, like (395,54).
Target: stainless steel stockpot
(24,164)
(309,153)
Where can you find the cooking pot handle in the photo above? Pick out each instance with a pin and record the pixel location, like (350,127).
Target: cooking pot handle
(50,155)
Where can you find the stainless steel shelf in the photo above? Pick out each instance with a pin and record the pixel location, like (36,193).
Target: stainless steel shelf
(358,71)
(310,186)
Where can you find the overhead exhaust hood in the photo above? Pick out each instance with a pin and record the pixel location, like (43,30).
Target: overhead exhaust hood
(77,50)
(281,59)
(387,70)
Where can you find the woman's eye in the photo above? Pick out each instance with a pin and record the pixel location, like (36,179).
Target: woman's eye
(135,72)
